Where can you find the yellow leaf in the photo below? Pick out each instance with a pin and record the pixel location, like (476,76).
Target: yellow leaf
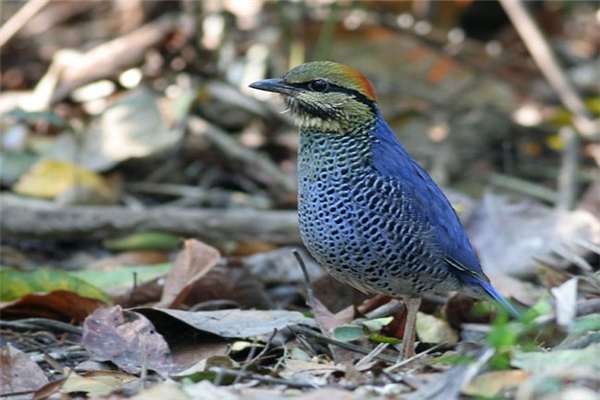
(492,383)
(434,330)
(49,178)
(97,383)
(555,142)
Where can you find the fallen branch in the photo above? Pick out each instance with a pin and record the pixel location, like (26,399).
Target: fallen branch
(93,223)
(70,70)
(542,54)
(11,27)
(253,163)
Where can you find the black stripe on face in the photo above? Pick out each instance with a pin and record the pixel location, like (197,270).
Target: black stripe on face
(335,88)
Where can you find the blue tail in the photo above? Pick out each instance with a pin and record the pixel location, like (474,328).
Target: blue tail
(501,300)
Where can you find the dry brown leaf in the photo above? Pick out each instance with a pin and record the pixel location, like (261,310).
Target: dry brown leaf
(127,339)
(189,350)
(19,373)
(227,323)
(229,283)
(62,305)
(192,263)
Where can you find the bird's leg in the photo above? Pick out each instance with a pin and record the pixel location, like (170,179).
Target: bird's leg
(408,341)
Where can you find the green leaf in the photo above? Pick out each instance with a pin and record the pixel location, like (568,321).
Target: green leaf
(32,116)
(585,324)
(143,241)
(16,284)
(453,359)
(123,277)
(299,354)
(501,360)
(384,339)
(14,164)
(348,333)
(537,361)
(376,325)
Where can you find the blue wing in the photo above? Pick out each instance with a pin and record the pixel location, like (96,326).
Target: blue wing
(392,160)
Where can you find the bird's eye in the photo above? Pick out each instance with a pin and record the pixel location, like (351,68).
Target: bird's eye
(319,85)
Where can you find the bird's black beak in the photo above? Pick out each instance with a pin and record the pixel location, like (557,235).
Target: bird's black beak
(276,85)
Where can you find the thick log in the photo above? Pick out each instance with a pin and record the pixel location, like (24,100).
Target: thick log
(93,223)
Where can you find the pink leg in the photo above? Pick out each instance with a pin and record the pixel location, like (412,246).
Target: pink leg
(408,341)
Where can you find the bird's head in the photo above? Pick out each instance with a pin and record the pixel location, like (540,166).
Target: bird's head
(325,96)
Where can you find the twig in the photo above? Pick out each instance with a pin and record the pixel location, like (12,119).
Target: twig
(572,257)
(20,19)
(389,308)
(546,171)
(586,244)
(42,323)
(546,61)
(374,353)
(567,179)
(218,304)
(357,349)
(21,393)
(264,350)
(249,161)
(133,289)
(251,359)
(144,363)
(310,294)
(402,363)
(326,34)
(70,70)
(584,308)
(261,378)
(65,354)
(53,362)
(524,187)
(212,196)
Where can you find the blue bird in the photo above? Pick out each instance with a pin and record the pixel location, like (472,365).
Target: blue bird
(368,212)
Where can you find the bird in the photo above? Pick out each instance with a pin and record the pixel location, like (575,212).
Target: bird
(368,213)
